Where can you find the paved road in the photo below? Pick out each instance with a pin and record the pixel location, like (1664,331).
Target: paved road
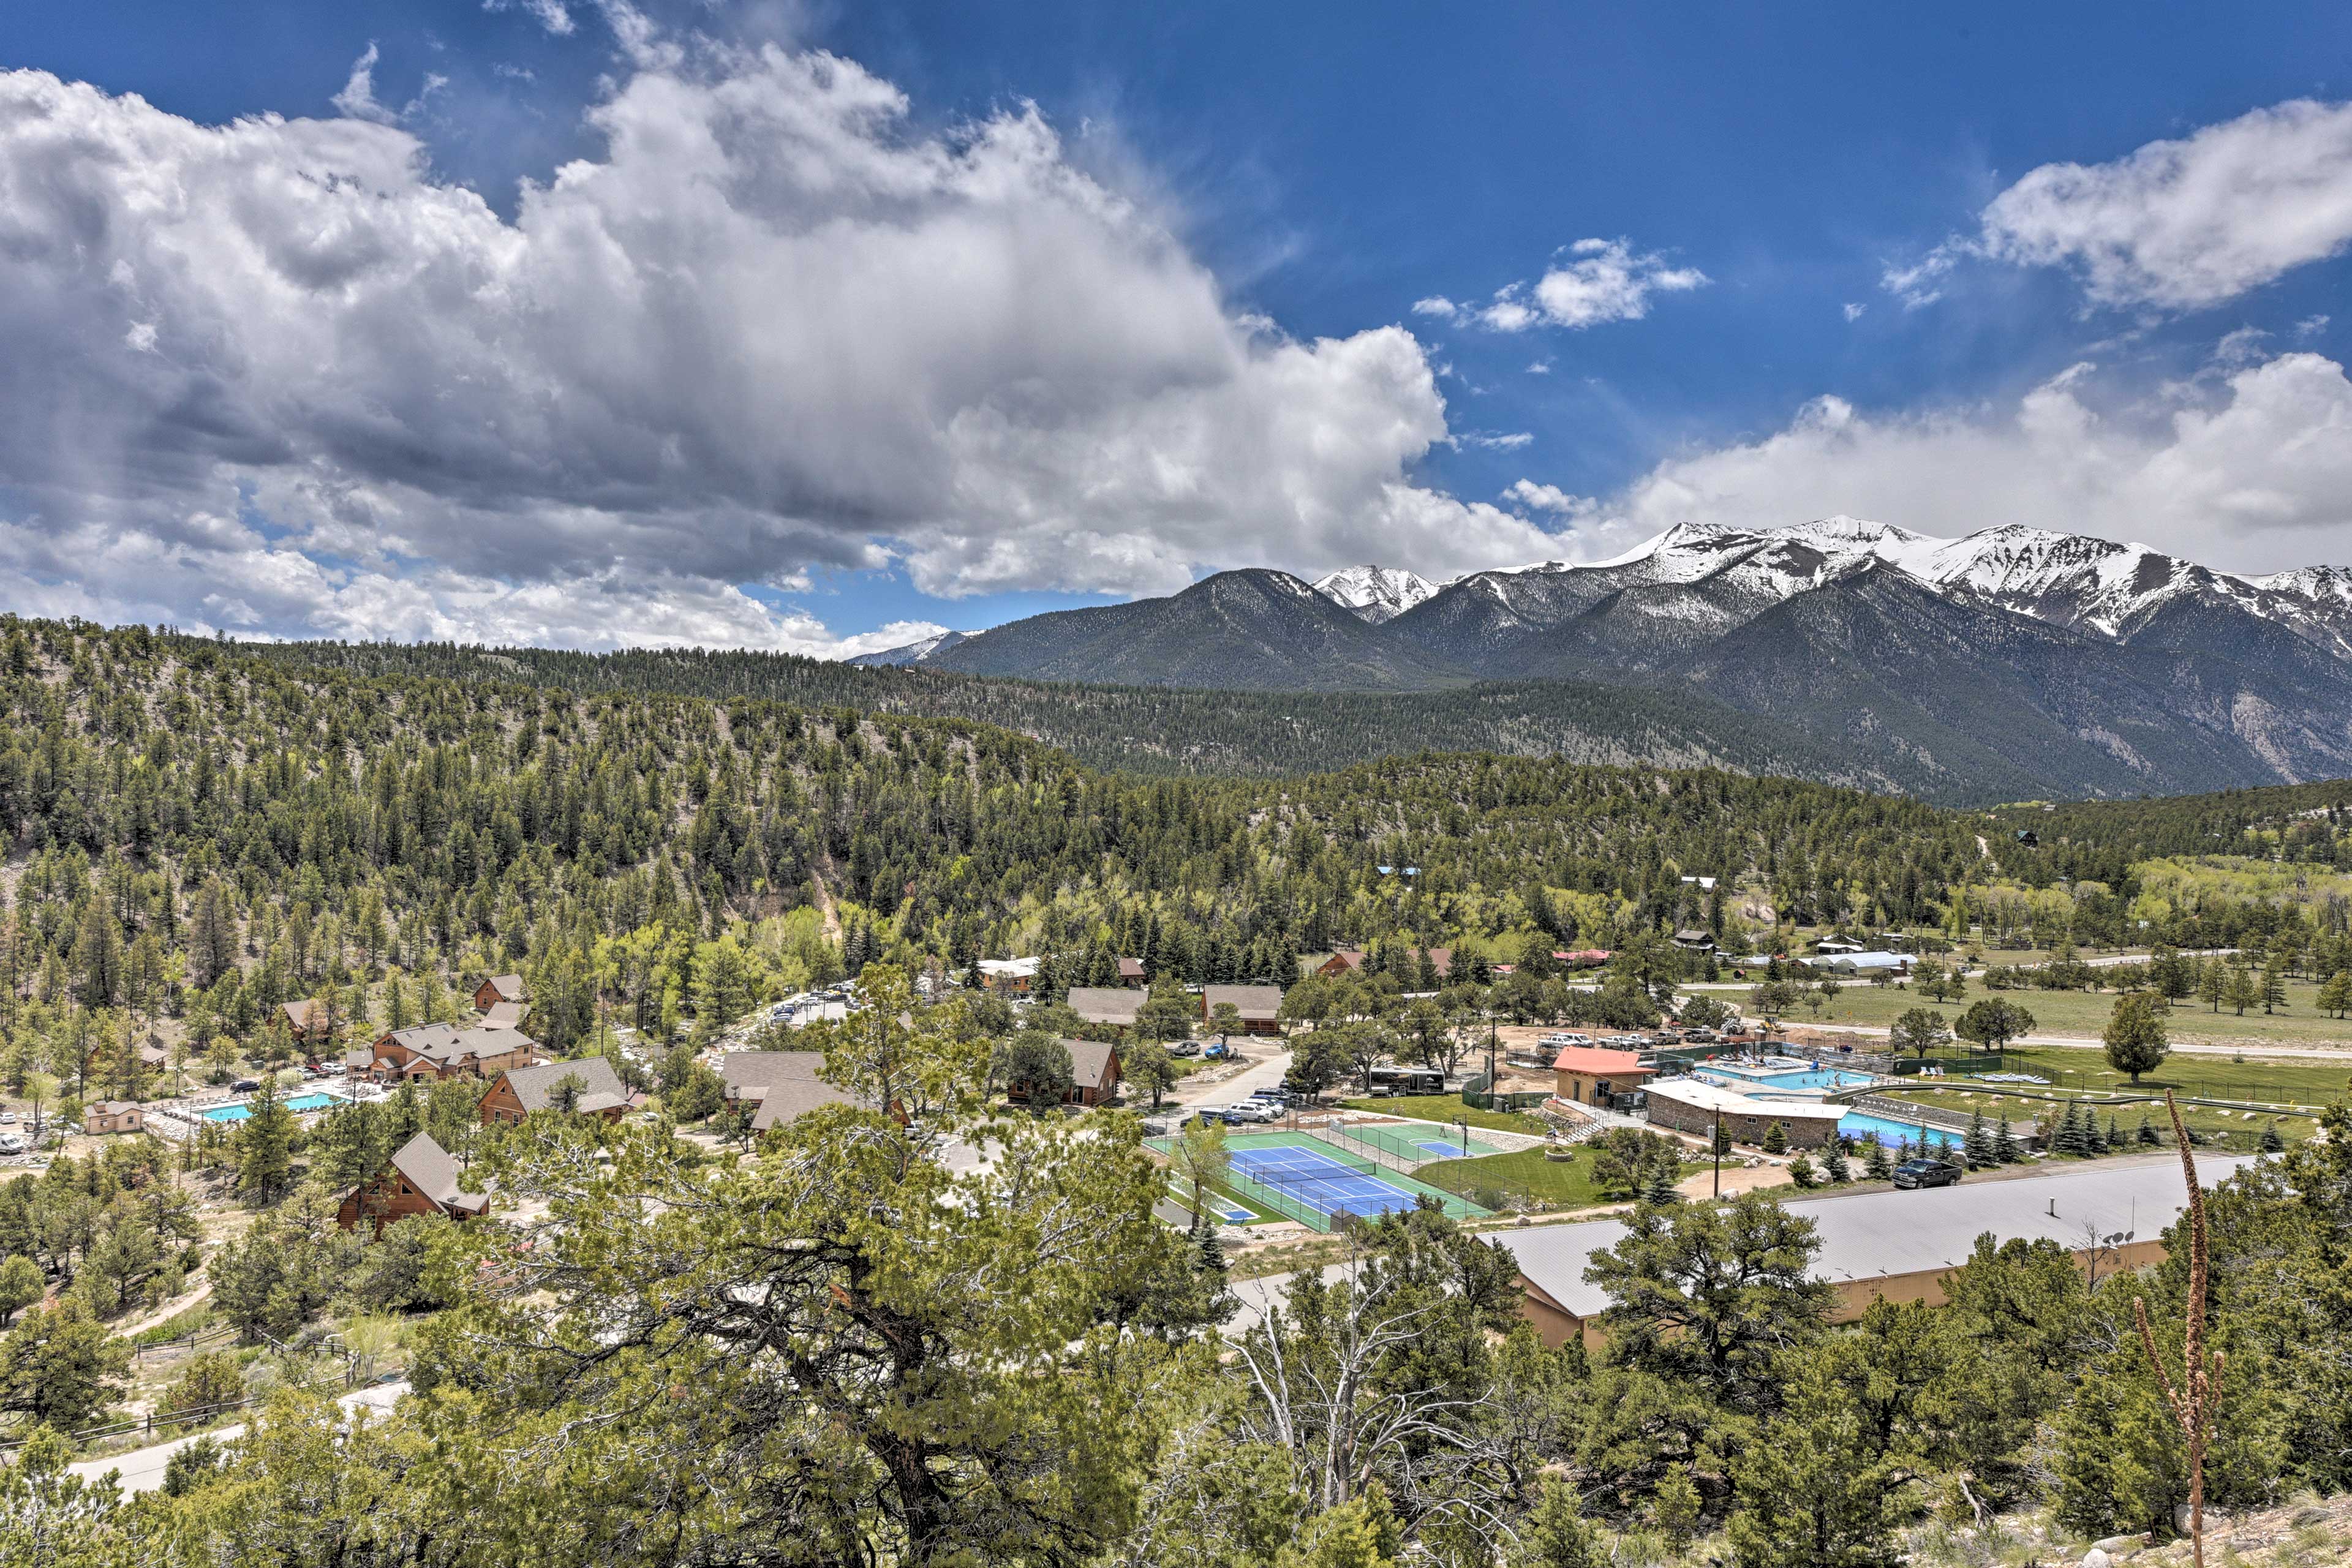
(141,1469)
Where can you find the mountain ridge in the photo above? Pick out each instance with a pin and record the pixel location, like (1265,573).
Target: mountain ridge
(2013,653)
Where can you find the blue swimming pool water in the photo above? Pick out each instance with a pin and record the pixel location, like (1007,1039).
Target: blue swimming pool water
(1810,1077)
(1891,1133)
(314,1101)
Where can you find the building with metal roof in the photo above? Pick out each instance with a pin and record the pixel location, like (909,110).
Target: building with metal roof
(1899,1245)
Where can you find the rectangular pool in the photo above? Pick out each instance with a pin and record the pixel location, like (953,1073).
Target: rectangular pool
(1806,1078)
(315,1101)
(1893,1134)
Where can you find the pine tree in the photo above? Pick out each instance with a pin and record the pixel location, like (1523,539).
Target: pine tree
(1776,1140)
(2147,1134)
(1836,1163)
(1977,1147)
(264,1155)
(2336,995)
(1660,1188)
(2273,986)
(2241,993)
(2094,1142)
(2004,1144)
(1875,1164)
(2213,985)
(2271,1143)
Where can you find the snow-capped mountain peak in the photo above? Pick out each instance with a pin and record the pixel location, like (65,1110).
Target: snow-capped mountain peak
(1376,594)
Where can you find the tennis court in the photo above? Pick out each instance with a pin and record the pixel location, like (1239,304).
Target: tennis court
(1422,1140)
(1306,1179)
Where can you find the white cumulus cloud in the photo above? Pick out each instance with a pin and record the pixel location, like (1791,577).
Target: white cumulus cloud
(1592,281)
(2176,225)
(276,374)
(2247,470)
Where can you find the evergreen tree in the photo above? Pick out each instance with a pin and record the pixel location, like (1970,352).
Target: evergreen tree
(1977,1147)
(1660,1187)
(1875,1164)
(2148,1135)
(1836,1163)
(2240,992)
(2004,1144)
(265,1145)
(2273,986)
(2213,984)
(2271,1143)
(1555,1534)
(2336,995)
(1776,1139)
(2134,1035)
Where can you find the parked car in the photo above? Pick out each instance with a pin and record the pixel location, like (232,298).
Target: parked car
(1926,1173)
(1215,1050)
(1183,1049)
(1155,1130)
(246,1086)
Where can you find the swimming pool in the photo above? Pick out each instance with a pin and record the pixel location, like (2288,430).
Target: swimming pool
(1809,1078)
(1892,1134)
(312,1102)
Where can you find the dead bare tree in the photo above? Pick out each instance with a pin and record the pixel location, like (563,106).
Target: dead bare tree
(2196,1398)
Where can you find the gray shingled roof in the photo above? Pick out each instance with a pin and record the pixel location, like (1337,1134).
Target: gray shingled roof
(1106,1004)
(1878,1235)
(784,1084)
(601,1087)
(1256,1003)
(1089,1061)
(448,1043)
(431,1171)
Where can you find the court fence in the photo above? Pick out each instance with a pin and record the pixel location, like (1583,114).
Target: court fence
(1386,1158)
(1304,1196)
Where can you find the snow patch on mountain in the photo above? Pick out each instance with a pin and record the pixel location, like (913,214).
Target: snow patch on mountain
(1376,594)
(915,652)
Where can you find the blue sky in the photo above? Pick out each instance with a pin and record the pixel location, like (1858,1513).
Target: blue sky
(1232,299)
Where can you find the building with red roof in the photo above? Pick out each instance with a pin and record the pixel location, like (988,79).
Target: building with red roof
(1590,1075)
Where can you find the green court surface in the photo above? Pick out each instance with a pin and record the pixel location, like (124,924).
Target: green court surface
(1414,1141)
(1323,1184)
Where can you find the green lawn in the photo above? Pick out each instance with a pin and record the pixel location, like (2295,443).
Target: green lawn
(2085,1014)
(2084,1075)
(1449,1109)
(1180,1192)
(2222,1129)
(1548,1183)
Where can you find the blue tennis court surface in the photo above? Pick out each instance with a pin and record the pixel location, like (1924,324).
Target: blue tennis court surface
(1451,1149)
(1321,1183)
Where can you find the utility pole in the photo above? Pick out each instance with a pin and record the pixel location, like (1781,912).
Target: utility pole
(1490,1059)
(1715,1147)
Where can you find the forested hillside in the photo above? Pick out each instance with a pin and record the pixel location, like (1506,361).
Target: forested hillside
(196,829)
(1161,731)
(199,831)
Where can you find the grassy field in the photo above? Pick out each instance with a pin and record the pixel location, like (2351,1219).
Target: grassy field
(1448,1109)
(2082,1075)
(2085,1014)
(1545,1184)
(2221,1129)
